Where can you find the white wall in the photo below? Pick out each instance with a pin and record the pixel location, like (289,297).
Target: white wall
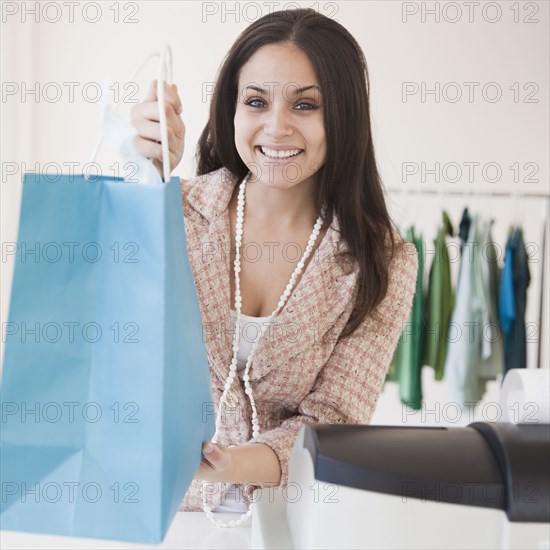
(400,46)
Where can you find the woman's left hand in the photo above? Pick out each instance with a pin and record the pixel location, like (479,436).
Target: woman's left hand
(215,462)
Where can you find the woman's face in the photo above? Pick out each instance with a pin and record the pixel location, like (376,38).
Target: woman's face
(273,118)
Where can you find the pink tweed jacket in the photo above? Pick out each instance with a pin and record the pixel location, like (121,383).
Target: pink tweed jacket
(302,371)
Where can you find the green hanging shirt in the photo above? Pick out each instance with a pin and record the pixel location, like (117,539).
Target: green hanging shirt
(439,301)
(406,366)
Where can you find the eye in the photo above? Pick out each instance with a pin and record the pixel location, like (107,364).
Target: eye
(310,106)
(256,102)
(253,100)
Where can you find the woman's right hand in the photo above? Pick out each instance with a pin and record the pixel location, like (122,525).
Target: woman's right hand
(145,119)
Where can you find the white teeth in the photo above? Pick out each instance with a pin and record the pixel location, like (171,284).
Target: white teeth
(279,154)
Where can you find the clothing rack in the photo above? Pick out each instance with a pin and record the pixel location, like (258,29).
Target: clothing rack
(510,194)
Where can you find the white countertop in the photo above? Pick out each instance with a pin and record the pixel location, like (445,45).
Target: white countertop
(189,530)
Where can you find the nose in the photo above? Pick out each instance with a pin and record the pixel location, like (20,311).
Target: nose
(278,123)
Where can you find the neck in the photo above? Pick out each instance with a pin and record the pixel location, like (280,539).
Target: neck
(284,209)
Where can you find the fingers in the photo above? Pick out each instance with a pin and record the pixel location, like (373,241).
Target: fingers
(147,148)
(150,130)
(214,455)
(210,451)
(150,110)
(153,150)
(145,118)
(170,95)
(147,129)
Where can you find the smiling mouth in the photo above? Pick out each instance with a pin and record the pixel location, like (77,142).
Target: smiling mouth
(278,156)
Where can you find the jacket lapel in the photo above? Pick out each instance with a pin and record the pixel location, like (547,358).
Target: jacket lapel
(323,292)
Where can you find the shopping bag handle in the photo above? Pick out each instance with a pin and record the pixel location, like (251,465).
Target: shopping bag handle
(164,74)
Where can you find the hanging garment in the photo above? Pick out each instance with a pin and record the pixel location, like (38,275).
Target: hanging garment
(464,345)
(492,338)
(439,302)
(506,303)
(406,365)
(513,301)
(464,227)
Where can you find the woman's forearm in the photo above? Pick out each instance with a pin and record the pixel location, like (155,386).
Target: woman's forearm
(254,463)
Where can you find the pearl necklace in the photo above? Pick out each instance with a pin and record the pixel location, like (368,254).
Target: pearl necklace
(233,366)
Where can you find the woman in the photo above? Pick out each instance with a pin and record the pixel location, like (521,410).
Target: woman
(286,173)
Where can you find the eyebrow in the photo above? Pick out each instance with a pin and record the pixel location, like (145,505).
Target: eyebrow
(298,91)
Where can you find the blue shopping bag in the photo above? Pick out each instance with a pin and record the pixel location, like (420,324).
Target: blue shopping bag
(105,374)
(105,383)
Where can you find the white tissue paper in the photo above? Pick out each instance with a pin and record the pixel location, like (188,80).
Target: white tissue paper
(524,396)
(119,133)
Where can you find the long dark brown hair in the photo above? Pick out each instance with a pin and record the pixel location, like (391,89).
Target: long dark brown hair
(349,182)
